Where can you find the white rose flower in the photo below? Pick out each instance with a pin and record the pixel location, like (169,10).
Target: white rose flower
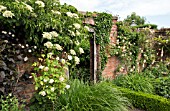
(46,69)
(69,14)
(30,50)
(77,33)
(47,35)
(25,59)
(54,34)
(72,52)
(63,61)
(45,80)
(77,26)
(81,50)
(43,93)
(57,58)
(40,3)
(87,28)
(67,86)
(72,33)
(4,32)
(77,60)
(28,7)
(52,89)
(51,81)
(55,12)
(2,8)
(61,79)
(48,44)
(8,14)
(70,57)
(75,15)
(41,67)
(58,47)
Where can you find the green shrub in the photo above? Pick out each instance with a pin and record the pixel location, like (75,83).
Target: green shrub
(10,103)
(162,86)
(146,101)
(98,97)
(134,82)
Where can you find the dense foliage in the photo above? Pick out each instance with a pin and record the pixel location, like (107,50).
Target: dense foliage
(146,101)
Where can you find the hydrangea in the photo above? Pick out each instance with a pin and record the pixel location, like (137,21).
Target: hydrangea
(81,50)
(69,14)
(67,86)
(43,93)
(70,57)
(54,34)
(41,67)
(45,80)
(58,47)
(52,89)
(51,81)
(63,61)
(77,33)
(40,3)
(8,14)
(47,35)
(55,12)
(2,8)
(75,15)
(77,60)
(87,28)
(48,44)
(77,26)
(46,69)
(72,52)
(28,7)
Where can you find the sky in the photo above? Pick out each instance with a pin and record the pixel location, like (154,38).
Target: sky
(155,11)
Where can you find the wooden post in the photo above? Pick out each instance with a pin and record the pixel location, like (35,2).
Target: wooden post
(93,58)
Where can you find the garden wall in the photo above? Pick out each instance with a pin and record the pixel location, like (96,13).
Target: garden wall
(112,62)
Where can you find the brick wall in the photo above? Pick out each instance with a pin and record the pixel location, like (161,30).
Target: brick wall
(112,62)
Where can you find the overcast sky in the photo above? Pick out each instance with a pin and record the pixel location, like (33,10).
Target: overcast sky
(155,11)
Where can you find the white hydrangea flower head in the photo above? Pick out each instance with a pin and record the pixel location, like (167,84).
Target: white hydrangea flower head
(8,14)
(2,8)
(77,26)
(28,7)
(77,33)
(69,14)
(47,35)
(52,89)
(25,58)
(87,28)
(70,57)
(58,47)
(77,60)
(56,12)
(40,3)
(62,61)
(46,69)
(41,67)
(45,80)
(75,15)
(43,93)
(51,81)
(81,50)
(54,34)
(48,44)
(67,86)
(72,52)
